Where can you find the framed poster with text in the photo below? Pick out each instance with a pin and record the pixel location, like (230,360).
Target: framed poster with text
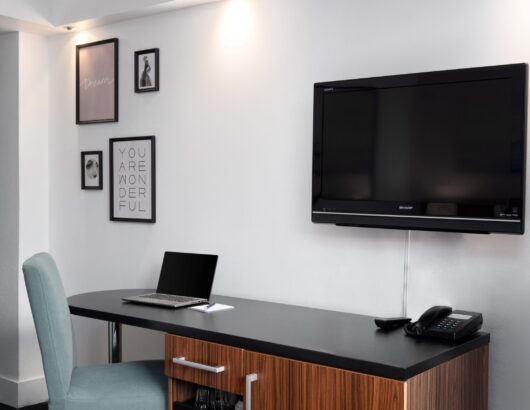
(96,75)
(132,179)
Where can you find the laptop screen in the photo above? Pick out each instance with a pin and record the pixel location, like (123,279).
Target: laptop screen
(187,274)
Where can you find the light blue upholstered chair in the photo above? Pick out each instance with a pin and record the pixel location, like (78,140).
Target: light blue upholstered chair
(131,386)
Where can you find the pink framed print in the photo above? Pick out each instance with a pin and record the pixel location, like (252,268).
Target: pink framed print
(97,82)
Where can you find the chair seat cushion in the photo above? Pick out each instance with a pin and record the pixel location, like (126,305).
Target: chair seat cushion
(133,385)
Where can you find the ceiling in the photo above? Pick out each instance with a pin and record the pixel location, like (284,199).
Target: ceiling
(9,24)
(52,16)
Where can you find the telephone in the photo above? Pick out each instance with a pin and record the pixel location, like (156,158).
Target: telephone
(442,322)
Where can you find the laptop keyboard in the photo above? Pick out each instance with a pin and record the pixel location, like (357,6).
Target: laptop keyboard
(170,298)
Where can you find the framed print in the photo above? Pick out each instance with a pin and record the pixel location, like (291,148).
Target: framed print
(146,71)
(96,72)
(132,179)
(92,170)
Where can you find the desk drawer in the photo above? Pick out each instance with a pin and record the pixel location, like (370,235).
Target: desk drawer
(204,363)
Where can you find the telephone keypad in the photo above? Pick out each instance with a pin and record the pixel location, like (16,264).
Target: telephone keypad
(448,324)
(455,326)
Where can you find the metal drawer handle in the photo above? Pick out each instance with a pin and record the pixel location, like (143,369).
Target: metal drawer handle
(212,369)
(249,379)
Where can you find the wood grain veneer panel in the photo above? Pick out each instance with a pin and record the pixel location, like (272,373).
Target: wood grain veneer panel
(273,389)
(170,399)
(325,388)
(460,384)
(183,391)
(179,391)
(211,354)
(168,364)
(285,384)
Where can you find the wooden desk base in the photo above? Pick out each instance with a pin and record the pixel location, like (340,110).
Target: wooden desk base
(460,384)
(284,384)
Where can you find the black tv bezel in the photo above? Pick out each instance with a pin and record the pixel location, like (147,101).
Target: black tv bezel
(378,215)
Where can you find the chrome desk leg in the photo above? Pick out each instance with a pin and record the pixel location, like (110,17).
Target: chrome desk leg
(114,341)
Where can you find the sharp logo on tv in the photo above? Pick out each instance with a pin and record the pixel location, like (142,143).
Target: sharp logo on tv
(406,207)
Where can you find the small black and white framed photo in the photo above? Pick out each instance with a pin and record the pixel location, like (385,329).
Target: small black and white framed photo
(132,179)
(146,70)
(92,170)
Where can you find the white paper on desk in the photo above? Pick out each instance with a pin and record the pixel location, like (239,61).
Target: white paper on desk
(215,308)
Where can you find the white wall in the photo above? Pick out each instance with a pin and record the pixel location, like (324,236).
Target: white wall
(487,274)
(24,208)
(9,223)
(34,199)
(233,125)
(233,171)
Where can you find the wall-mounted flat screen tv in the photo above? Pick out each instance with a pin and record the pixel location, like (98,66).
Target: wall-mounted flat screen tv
(439,150)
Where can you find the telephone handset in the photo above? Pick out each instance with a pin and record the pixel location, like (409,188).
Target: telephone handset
(445,323)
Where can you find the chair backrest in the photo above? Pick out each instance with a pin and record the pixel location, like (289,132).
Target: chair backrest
(52,321)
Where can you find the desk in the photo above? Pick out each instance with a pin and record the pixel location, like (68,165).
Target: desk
(318,337)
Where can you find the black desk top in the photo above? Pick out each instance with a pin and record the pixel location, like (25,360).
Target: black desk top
(334,339)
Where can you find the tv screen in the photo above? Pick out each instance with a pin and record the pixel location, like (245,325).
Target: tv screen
(436,151)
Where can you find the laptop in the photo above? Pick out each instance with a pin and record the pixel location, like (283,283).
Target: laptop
(186,279)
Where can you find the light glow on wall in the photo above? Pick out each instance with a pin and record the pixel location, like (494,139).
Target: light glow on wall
(82,37)
(237,24)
